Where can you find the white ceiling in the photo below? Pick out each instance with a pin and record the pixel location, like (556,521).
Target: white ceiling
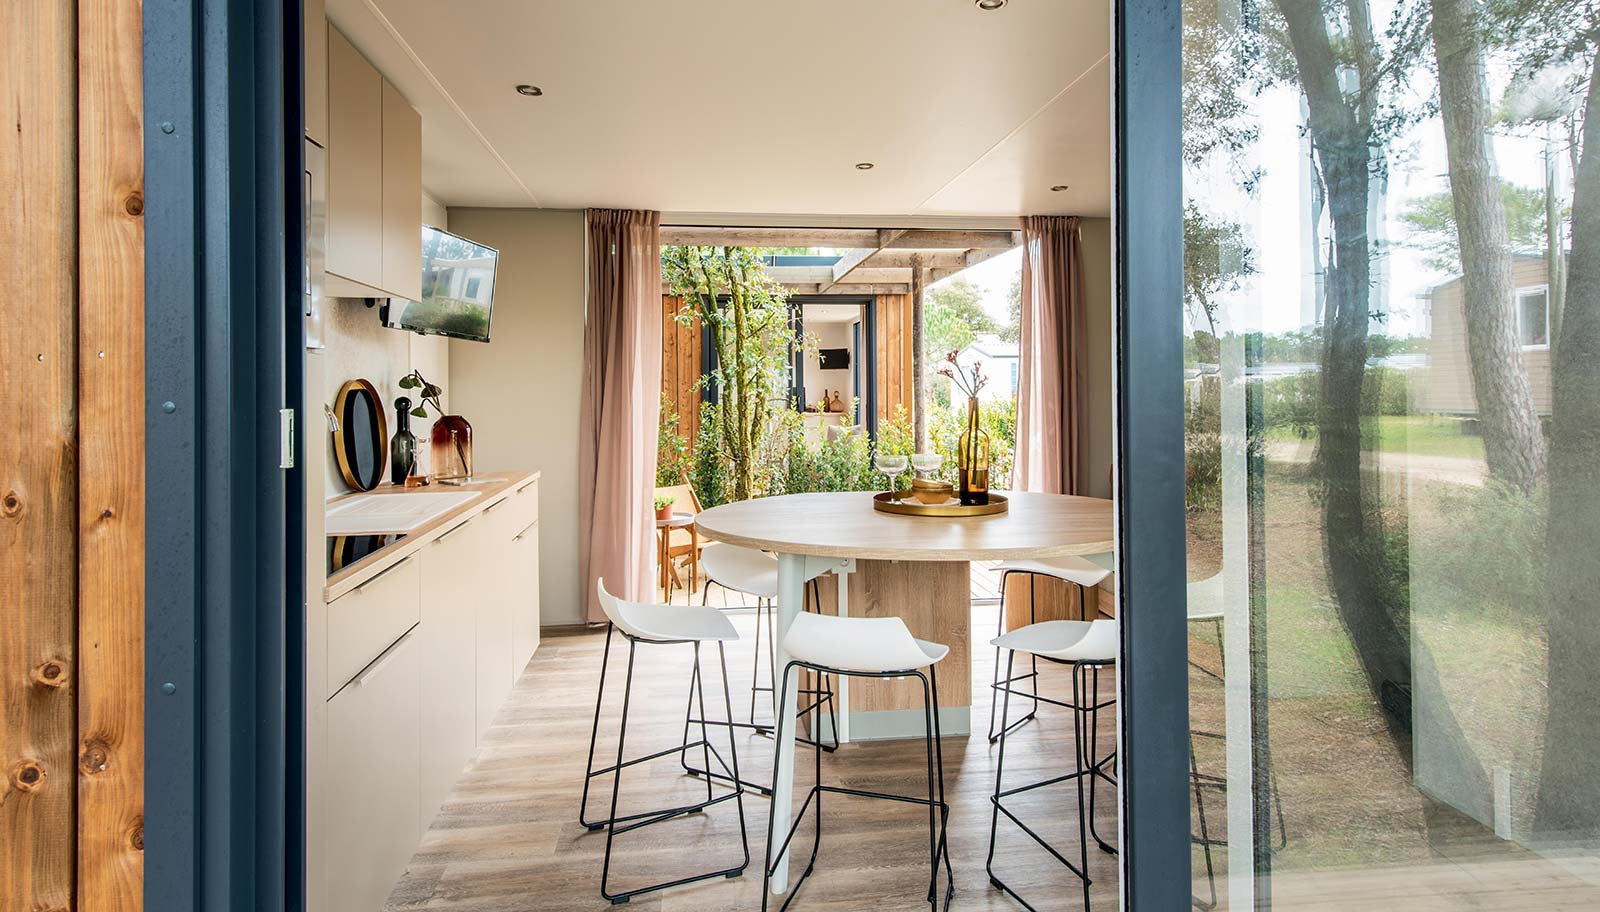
(729,106)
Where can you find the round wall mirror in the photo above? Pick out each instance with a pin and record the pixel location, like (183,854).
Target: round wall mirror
(361,442)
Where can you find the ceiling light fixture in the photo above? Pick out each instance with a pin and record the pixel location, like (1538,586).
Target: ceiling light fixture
(1058,188)
(532,91)
(989,5)
(864,166)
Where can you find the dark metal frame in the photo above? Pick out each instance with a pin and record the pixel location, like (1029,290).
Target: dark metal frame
(1005,722)
(1153,673)
(642,819)
(224,718)
(1086,740)
(938,808)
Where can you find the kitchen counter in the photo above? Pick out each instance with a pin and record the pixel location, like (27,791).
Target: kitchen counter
(492,488)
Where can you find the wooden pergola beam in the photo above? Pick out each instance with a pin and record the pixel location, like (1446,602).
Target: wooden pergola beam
(841,238)
(855,258)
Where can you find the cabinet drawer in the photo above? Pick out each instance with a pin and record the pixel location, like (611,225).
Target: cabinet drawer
(365,621)
(374,737)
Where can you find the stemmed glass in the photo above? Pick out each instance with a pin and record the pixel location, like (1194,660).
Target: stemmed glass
(891,466)
(927,463)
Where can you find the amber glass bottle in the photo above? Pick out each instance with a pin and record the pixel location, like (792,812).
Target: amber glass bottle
(972,455)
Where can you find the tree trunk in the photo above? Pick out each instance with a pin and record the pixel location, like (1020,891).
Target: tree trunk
(919,360)
(1512,440)
(1569,785)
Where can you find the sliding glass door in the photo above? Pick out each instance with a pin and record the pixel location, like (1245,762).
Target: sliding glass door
(1391,439)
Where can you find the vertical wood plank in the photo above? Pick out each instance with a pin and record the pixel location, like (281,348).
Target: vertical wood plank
(111,453)
(38,464)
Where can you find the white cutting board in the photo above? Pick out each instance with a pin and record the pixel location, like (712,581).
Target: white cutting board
(388,514)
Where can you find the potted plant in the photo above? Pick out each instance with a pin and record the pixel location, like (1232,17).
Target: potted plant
(664,504)
(452,435)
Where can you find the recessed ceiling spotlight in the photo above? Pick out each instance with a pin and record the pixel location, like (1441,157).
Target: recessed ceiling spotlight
(531,91)
(864,166)
(987,5)
(1058,188)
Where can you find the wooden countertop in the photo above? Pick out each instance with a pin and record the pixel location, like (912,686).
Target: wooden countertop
(492,487)
(846,525)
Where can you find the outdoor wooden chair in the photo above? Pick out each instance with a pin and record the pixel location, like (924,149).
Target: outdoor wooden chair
(681,543)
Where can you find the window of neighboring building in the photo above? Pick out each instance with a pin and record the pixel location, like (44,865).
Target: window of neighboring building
(1013,378)
(1533,316)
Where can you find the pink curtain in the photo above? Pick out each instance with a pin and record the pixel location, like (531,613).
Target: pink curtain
(1052,396)
(621,405)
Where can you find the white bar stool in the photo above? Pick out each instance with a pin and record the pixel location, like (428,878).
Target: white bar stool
(866,648)
(1087,646)
(1085,573)
(662,625)
(750,571)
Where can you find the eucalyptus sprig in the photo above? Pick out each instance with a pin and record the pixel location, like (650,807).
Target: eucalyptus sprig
(427,394)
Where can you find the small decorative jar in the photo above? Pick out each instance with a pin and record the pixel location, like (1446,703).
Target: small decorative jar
(452,448)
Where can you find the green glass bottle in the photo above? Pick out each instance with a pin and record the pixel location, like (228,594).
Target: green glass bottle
(403,448)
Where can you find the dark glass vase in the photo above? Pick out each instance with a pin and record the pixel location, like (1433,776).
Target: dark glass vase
(972,457)
(403,446)
(452,448)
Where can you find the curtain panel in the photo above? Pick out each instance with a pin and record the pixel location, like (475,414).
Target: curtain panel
(1052,393)
(621,404)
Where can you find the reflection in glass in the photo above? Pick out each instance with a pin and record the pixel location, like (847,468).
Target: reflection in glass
(1392,383)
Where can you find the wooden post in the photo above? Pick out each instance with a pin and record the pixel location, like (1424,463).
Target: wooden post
(38,454)
(919,362)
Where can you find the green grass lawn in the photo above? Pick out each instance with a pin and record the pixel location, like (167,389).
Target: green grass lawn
(1422,435)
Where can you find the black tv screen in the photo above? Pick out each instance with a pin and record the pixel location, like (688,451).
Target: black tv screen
(457,289)
(833,359)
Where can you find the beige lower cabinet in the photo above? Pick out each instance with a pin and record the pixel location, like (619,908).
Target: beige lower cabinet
(373,779)
(494,633)
(524,597)
(453,567)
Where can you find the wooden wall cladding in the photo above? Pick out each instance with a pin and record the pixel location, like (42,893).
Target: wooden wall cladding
(38,454)
(72,457)
(894,355)
(111,455)
(680,366)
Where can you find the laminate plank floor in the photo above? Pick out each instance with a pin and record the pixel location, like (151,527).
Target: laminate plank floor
(508,839)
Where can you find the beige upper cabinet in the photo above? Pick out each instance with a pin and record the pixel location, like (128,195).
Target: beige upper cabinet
(316,75)
(374,181)
(402,196)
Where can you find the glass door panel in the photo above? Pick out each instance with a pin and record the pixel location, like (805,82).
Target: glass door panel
(1392,395)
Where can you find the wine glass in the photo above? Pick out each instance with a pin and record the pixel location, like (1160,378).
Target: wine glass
(891,466)
(927,463)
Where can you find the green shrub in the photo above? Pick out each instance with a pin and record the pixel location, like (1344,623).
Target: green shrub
(672,449)
(708,467)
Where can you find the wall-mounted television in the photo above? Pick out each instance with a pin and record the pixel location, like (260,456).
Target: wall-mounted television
(457,289)
(833,359)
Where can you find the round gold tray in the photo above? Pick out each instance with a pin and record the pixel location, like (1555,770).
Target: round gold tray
(910,506)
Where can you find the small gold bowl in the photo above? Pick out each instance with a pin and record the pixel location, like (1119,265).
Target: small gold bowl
(931,492)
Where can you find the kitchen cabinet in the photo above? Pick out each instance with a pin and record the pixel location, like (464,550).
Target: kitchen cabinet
(364,622)
(402,196)
(314,45)
(374,181)
(373,779)
(494,622)
(453,567)
(524,567)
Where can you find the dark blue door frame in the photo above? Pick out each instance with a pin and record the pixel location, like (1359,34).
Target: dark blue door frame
(224,711)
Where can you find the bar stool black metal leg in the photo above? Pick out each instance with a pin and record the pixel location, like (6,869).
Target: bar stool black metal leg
(1077,726)
(1094,763)
(1205,833)
(944,805)
(999,778)
(594,733)
(1010,680)
(616,781)
(733,758)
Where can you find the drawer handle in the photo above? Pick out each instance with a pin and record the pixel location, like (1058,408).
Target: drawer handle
(526,486)
(494,506)
(382,660)
(452,530)
(518,536)
(381,574)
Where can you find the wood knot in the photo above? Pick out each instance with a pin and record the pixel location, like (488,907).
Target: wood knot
(95,758)
(50,673)
(136,834)
(107,513)
(134,204)
(29,776)
(11,504)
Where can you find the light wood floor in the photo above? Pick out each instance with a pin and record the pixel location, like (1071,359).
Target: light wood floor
(509,838)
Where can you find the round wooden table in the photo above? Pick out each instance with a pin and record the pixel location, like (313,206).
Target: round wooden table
(814,534)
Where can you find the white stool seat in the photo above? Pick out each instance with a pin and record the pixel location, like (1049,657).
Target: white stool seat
(1066,641)
(1082,571)
(744,570)
(862,645)
(665,623)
